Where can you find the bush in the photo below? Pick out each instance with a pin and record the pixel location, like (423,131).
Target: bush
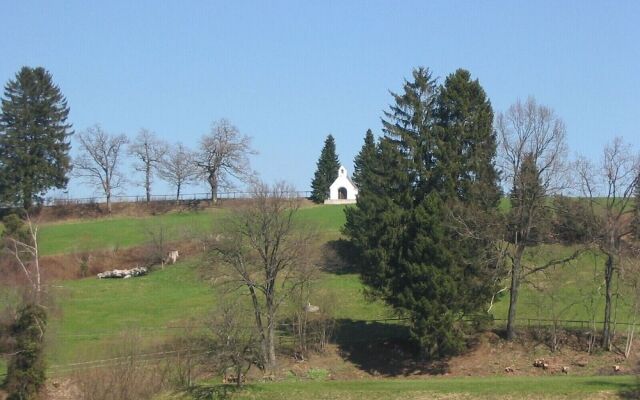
(26,371)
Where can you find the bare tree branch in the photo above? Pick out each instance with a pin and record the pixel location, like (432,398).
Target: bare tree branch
(264,250)
(609,188)
(148,152)
(99,160)
(224,156)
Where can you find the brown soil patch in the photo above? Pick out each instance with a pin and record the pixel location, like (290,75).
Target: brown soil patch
(66,212)
(67,266)
(489,356)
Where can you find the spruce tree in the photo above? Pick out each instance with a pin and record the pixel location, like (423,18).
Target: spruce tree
(34,133)
(409,252)
(468,182)
(364,161)
(326,171)
(466,142)
(636,211)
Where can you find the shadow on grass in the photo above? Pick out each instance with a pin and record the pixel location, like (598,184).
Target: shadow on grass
(338,257)
(629,390)
(383,349)
(214,392)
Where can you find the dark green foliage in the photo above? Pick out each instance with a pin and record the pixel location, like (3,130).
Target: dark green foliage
(15,227)
(433,180)
(572,222)
(26,371)
(326,171)
(466,146)
(636,211)
(529,217)
(365,160)
(34,146)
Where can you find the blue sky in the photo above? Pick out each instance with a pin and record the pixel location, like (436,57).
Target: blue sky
(288,73)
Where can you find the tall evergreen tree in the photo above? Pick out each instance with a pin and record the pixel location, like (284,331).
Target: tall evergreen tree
(326,171)
(466,142)
(636,214)
(34,133)
(435,158)
(365,160)
(466,176)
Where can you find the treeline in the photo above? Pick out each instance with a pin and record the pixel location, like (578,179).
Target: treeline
(429,236)
(35,140)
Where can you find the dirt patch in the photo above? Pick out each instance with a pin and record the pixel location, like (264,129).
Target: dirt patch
(65,212)
(61,389)
(88,211)
(490,355)
(69,266)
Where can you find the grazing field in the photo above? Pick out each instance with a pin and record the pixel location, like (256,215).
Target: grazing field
(94,314)
(90,316)
(102,308)
(559,387)
(122,232)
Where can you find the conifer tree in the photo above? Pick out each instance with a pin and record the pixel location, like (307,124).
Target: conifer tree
(636,214)
(34,133)
(326,171)
(364,161)
(410,253)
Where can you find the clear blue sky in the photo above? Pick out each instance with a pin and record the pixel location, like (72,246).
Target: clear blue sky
(289,73)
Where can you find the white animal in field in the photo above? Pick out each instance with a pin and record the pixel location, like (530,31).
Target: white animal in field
(172,257)
(310,308)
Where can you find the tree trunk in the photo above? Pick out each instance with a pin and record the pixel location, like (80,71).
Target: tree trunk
(178,193)
(271,322)
(109,202)
(608,278)
(213,182)
(147,185)
(27,201)
(264,339)
(516,270)
(271,346)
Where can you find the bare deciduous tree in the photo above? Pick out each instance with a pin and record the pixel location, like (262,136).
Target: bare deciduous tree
(609,188)
(99,160)
(178,167)
(263,251)
(148,152)
(529,133)
(224,155)
(236,346)
(24,249)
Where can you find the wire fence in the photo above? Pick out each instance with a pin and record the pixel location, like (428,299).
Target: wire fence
(60,369)
(183,198)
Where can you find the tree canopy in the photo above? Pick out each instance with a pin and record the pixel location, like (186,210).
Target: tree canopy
(364,161)
(434,183)
(34,138)
(326,171)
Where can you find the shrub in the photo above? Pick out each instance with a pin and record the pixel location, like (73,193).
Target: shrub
(26,371)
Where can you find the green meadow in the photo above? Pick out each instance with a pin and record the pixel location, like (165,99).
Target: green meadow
(90,315)
(445,388)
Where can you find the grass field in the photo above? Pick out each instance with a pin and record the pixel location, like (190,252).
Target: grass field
(90,314)
(558,387)
(69,237)
(95,313)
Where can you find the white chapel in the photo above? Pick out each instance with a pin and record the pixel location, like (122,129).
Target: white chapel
(342,190)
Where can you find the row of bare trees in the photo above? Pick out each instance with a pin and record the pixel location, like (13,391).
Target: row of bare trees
(536,168)
(221,160)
